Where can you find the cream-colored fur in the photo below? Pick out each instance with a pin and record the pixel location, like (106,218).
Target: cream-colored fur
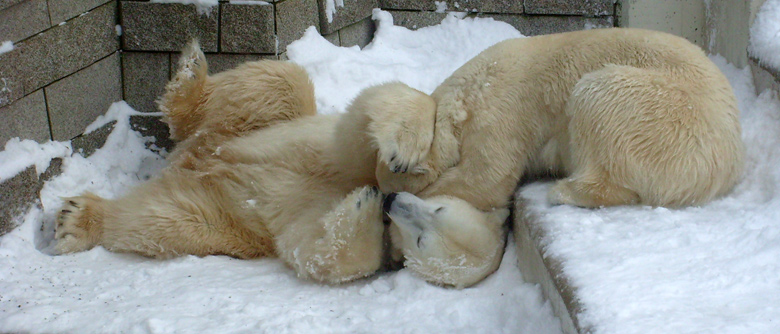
(254,174)
(445,240)
(628,116)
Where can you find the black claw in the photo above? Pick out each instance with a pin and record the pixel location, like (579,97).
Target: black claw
(393,157)
(73,203)
(396,169)
(66,211)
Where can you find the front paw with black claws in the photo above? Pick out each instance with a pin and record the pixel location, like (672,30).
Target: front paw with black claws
(79,224)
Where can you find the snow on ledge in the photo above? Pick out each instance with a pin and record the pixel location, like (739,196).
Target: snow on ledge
(765,35)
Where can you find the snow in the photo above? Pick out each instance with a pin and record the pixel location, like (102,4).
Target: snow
(6,46)
(441,6)
(330,8)
(421,58)
(204,7)
(102,292)
(765,35)
(20,154)
(709,269)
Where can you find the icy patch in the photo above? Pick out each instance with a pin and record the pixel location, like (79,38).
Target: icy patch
(765,35)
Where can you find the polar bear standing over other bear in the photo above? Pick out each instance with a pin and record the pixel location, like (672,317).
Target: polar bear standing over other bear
(631,116)
(628,116)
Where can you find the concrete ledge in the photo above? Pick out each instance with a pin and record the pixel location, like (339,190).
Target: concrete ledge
(764,77)
(544,270)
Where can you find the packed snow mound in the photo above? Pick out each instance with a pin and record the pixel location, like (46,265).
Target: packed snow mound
(765,35)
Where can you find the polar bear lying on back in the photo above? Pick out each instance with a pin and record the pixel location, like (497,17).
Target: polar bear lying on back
(256,173)
(628,116)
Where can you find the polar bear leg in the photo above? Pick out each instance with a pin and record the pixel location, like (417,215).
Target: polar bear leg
(590,192)
(165,217)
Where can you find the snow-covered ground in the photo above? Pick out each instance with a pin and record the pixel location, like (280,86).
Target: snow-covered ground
(709,269)
(102,292)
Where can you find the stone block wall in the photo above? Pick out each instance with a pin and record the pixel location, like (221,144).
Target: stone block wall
(63,70)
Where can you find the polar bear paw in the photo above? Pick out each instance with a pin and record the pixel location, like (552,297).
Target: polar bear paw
(351,245)
(403,151)
(78,224)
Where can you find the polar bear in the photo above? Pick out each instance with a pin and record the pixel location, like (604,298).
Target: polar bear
(628,116)
(257,173)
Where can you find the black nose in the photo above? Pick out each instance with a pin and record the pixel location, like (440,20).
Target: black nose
(388,202)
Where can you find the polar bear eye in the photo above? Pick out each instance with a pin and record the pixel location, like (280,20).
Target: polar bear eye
(439,209)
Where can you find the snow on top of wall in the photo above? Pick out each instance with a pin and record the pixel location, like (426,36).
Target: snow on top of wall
(330,8)
(6,46)
(204,7)
(765,35)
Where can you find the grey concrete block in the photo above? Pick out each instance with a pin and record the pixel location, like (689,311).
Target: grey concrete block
(150,26)
(532,25)
(75,101)
(18,194)
(416,20)
(11,77)
(153,126)
(65,49)
(26,118)
(23,20)
(352,11)
(333,38)
(486,6)
(570,7)
(8,3)
(63,10)
(360,33)
(292,19)
(247,28)
(544,270)
(144,75)
(219,62)
(88,143)
(54,169)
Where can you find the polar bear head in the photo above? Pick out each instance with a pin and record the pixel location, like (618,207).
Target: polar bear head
(444,239)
